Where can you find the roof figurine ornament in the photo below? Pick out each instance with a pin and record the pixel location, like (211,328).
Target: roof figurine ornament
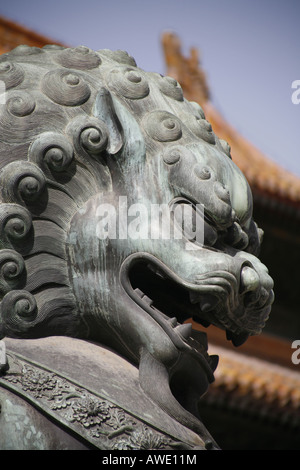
(96,327)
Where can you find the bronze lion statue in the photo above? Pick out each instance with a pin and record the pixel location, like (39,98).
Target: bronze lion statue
(86,137)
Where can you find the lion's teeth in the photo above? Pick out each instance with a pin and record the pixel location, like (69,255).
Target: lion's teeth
(147,300)
(173,321)
(143,296)
(185,330)
(139,292)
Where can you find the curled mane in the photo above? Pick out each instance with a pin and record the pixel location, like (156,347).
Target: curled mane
(52,159)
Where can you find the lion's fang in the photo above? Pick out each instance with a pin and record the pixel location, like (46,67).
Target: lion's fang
(147,299)
(143,296)
(139,292)
(173,321)
(184,330)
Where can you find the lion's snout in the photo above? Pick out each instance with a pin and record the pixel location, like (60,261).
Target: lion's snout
(249,279)
(256,289)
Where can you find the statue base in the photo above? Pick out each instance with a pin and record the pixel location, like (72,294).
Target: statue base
(66,393)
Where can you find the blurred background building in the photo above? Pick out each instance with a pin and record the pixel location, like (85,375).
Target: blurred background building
(254,402)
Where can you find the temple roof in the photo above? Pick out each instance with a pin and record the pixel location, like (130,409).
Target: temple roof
(256,387)
(13,35)
(264,175)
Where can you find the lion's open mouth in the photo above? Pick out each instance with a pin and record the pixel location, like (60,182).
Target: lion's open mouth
(167,301)
(171,302)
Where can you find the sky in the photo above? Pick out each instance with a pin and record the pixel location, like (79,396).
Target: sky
(250,50)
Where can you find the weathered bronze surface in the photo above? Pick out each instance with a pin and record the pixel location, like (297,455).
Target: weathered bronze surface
(84,132)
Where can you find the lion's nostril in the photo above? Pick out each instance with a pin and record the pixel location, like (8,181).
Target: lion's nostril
(249,279)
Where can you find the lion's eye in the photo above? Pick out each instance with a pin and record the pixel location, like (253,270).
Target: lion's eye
(191,222)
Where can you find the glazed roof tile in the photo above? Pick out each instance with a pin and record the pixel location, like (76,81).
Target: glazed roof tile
(258,385)
(13,35)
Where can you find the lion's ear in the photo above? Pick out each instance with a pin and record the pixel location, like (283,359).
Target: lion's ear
(104,109)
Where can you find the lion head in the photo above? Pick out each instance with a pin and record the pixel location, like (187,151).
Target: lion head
(87,137)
